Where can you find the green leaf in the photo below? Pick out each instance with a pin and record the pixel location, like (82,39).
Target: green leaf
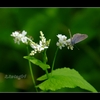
(37,62)
(64,77)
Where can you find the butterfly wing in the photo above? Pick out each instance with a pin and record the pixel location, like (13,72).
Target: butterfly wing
(78,38)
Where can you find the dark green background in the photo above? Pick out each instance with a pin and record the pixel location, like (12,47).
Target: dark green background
(51,21)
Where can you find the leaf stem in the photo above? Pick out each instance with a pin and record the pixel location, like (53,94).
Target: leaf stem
(54,60)
(45,60)
(32,72)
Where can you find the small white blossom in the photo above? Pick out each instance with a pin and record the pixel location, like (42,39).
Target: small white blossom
(15,34)
(43,44)
(69,41)
(39,48)
(36,47)
(24,32)
(63,41)
(69,45)
(43,39)
(62,38)
(20,37)
(24,39)
(33,52)
(60,45)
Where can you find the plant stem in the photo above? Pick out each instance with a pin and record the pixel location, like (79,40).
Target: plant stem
(32,72)
(54,60)
(47,73)
(45,60)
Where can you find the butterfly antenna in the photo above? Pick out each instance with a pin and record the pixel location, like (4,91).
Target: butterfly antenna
(70,33)
(77,47)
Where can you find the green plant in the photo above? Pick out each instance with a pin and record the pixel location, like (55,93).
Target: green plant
(58,78)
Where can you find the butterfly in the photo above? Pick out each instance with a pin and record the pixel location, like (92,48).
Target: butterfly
(76,38)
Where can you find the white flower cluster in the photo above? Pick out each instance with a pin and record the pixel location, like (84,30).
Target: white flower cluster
(43,44)
(63,41)
(21,37)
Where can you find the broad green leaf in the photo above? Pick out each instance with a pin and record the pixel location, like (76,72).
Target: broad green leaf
(64,77)
(37,62)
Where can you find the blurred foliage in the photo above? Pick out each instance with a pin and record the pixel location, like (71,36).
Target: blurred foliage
(51,21)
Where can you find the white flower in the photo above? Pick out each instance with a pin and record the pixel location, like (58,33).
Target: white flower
(43,44)
(24,32)
(33,52)
(33,45)
(39,48)
(63,41)
(69,45)
(24,39)
(43,39)
(15,34)
(20,37)
(62,38)
(60,45)
(36,47)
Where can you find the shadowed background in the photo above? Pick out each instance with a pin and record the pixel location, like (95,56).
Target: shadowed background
(51,21)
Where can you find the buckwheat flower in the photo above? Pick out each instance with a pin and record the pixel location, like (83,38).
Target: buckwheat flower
(23,37)
(24,40)
(38,48)
(15,34)
(60,45)
(42,35)
(62,42)
(33,45)
(43,43)
(20,37)
(33,52)
(43,39)
(69,45)
(24,33)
